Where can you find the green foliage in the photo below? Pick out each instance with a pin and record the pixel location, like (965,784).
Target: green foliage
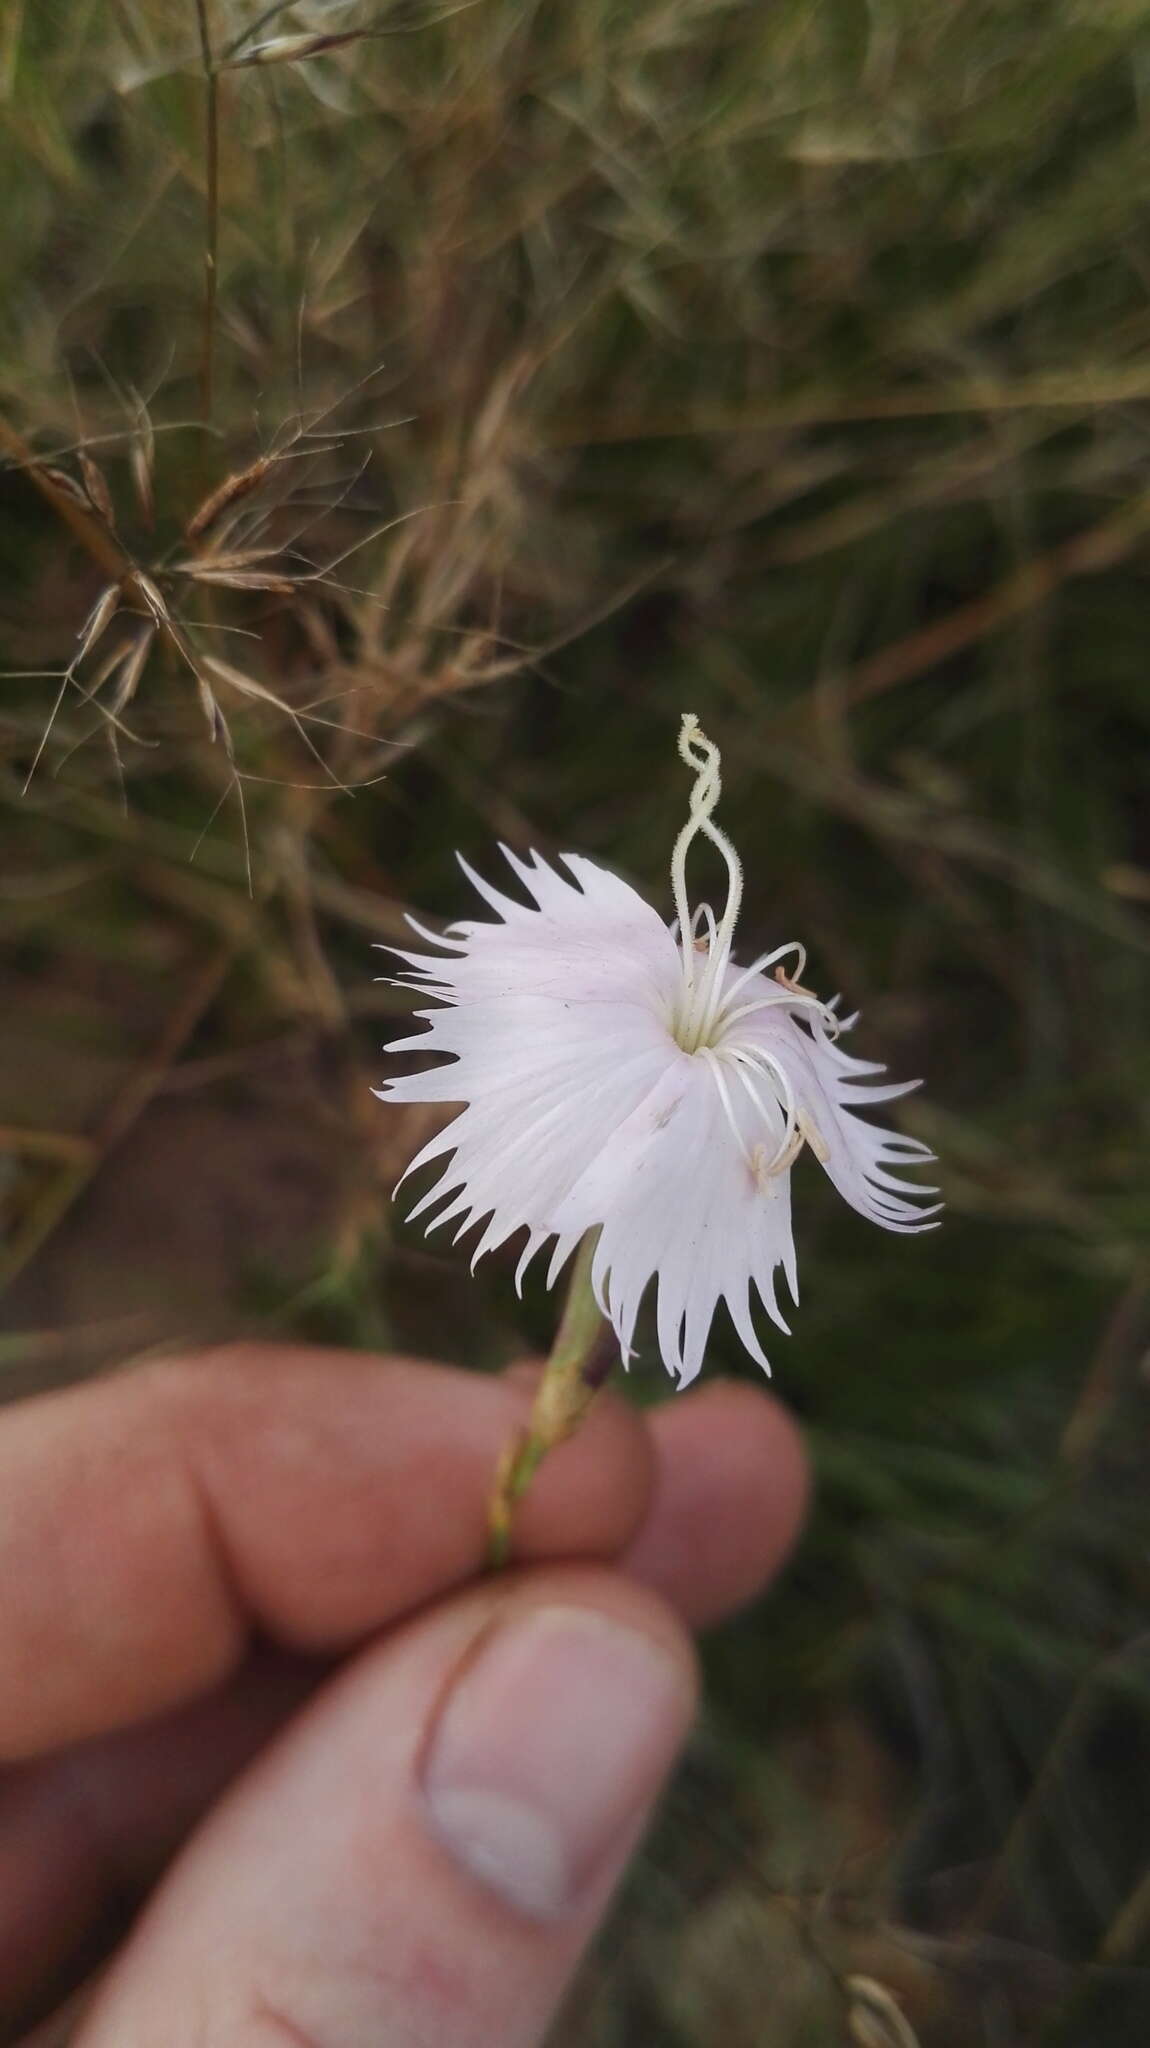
(787,364)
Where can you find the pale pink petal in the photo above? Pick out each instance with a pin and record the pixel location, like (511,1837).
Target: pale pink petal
(554,1032)
(829,1087)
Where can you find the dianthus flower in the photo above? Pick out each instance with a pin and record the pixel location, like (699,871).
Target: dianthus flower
(621,1075)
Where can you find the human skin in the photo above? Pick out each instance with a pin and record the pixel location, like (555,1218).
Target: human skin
(256,1685)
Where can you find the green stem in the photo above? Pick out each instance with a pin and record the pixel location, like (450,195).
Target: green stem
(581,1359)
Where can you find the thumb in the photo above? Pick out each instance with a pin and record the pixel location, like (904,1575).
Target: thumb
(422,1857)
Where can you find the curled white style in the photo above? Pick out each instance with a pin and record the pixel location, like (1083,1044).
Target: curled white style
(622,1075)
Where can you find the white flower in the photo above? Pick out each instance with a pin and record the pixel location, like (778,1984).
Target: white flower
(616,1078)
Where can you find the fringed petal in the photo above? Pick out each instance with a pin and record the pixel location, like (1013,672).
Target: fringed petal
(829,1087)
(581,1110)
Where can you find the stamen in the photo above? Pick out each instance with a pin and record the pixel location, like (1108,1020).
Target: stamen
(792,982)
(831,1023)
(704,915)
(704,912)
(757,1056)
(765,960)
(787,1156)
(796,1126)
(712,1059)
(750,1089)
(815,1139)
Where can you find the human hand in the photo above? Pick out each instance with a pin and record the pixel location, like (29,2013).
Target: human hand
(246,1640)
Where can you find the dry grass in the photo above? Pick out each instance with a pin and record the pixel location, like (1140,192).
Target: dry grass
(556,370)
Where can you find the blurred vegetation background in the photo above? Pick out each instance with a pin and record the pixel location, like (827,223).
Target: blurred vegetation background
(556,370)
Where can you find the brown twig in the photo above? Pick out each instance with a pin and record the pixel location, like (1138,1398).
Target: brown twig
(86,524)
(1098,547)
(1110,384)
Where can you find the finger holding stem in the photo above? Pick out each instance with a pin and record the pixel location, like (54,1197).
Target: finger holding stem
(584,1351)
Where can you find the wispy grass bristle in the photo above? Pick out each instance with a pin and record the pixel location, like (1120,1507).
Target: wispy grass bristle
(404,414)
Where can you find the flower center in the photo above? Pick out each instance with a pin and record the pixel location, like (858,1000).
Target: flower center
(709,1007)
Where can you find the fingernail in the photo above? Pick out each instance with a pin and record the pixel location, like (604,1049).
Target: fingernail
(549,1750)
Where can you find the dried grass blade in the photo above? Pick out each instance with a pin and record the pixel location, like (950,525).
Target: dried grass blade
(97,622)
(233,489)
(290,49)
(96,485)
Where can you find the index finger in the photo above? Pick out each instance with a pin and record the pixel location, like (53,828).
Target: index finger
(150,1521)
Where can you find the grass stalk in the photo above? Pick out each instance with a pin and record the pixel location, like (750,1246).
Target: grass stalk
(211,210)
